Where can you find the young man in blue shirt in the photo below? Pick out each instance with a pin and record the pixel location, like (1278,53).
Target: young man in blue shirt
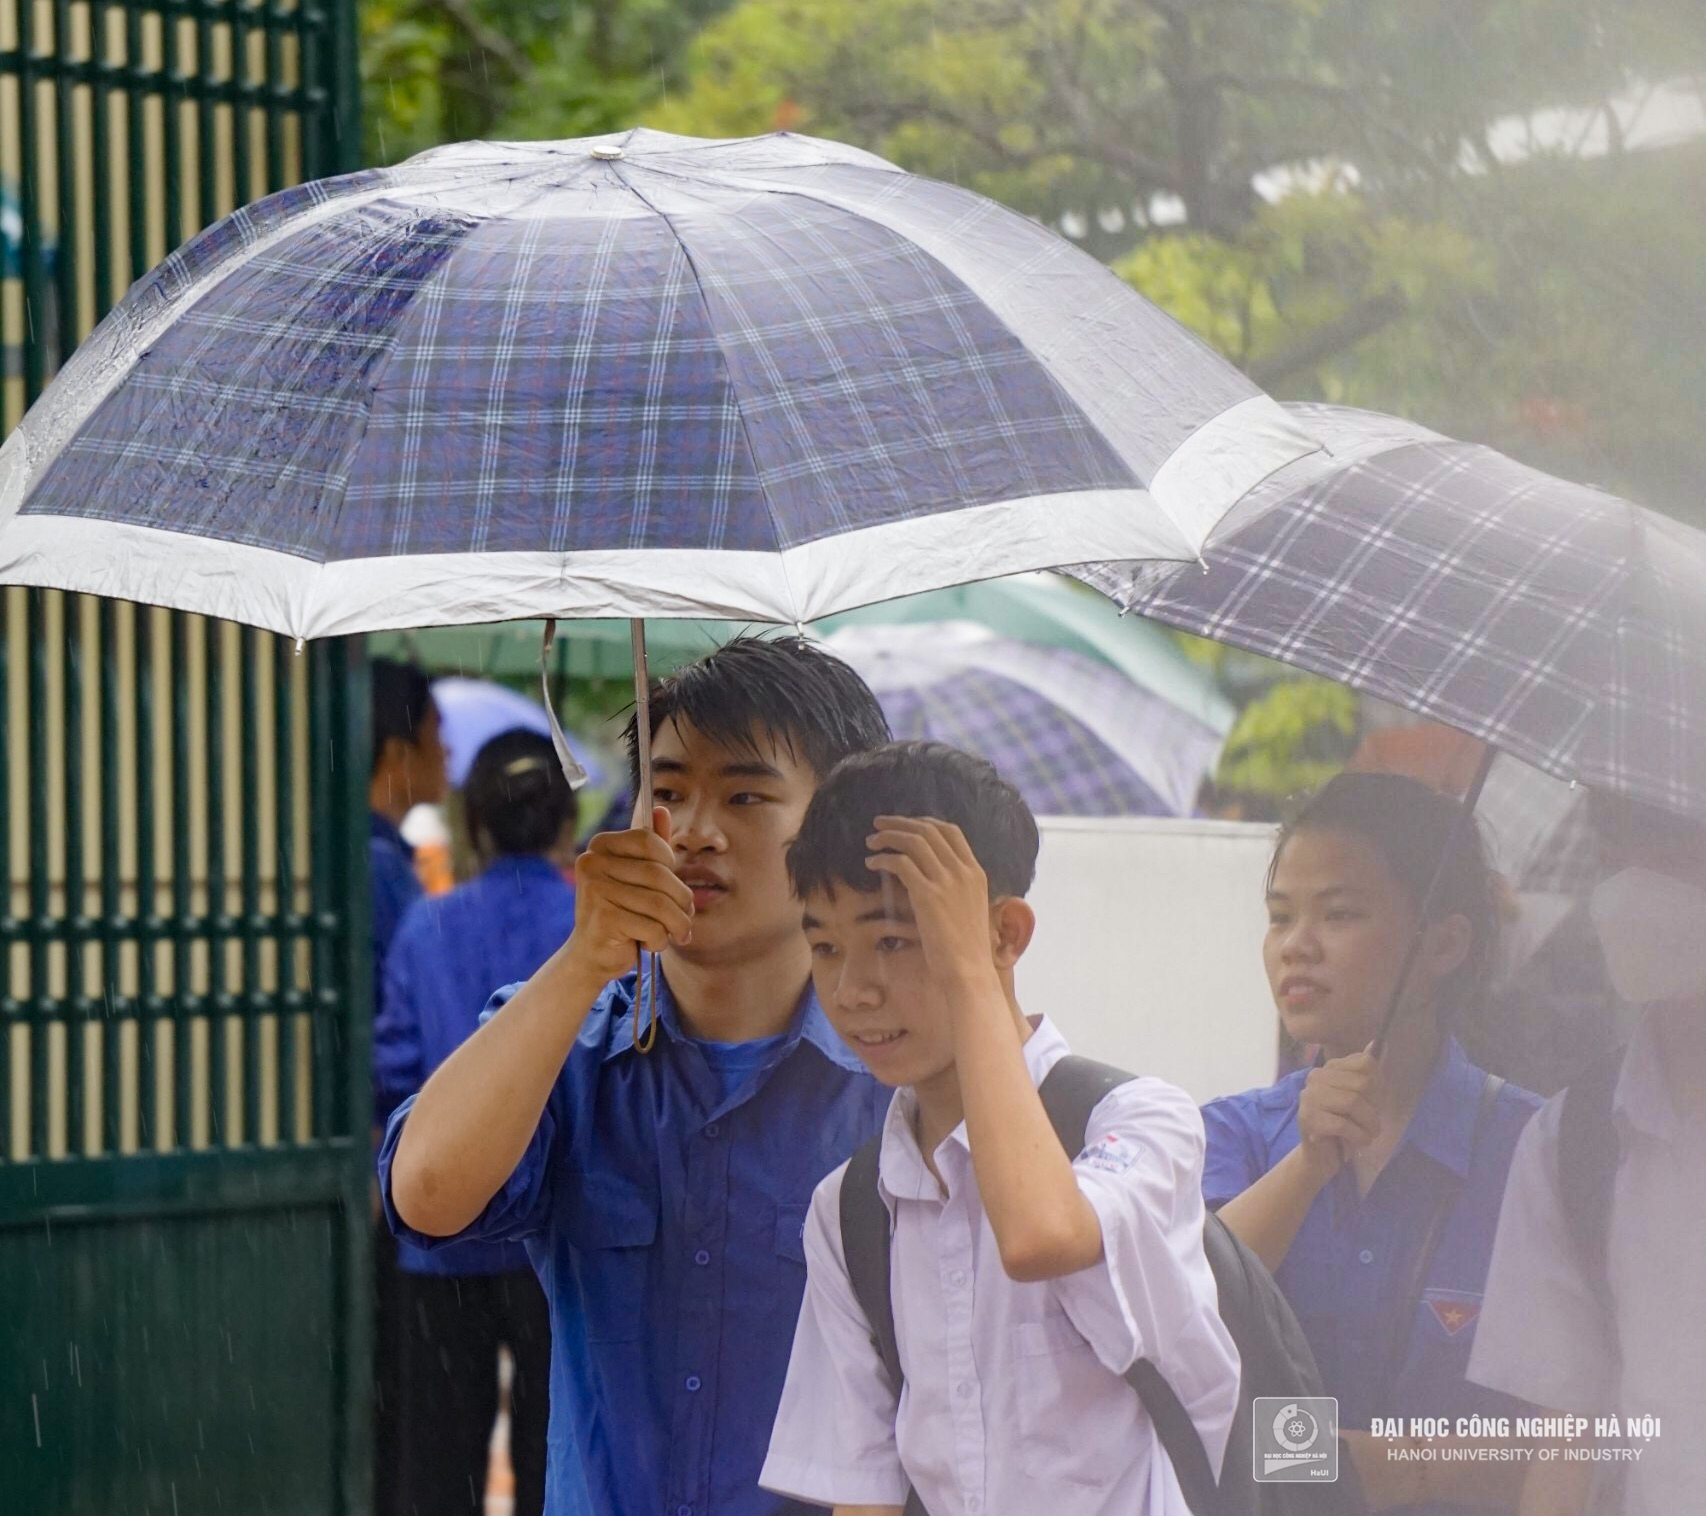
(662,1193)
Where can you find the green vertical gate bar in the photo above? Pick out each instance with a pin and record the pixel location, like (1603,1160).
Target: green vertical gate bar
(172,96)
(273,21)
(350,769)
(183,896)
(100,119)
(101,164)
(136,151)
(29,195)
(41,882)
(254,1002)
(147,884)
(9,1003)
(286,928)
(68,306)
(116,1006)
(217,1002)
(71,728)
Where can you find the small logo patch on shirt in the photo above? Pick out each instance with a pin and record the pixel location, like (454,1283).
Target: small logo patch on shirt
(1453,1309)
(1112,1155)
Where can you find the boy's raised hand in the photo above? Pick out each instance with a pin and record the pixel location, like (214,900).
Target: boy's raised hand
(626,892)
(947,887)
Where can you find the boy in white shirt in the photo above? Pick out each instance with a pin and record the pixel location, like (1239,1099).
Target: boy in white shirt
(1026,1281)
(1622,1333)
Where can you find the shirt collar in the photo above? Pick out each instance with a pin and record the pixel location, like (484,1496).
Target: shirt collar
(1443,1123)
(902,1173)
(809,1024)
(1642,1100)
(521,866)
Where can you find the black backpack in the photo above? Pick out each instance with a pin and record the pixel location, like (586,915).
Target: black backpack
(1275,1355)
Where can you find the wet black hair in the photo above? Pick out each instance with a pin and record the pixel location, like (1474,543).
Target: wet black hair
(401,696)
(515,798)
(925,779)
(1408,823)
(806,699)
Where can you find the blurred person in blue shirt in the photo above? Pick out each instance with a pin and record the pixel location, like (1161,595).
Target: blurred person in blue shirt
(659,1170)
(458,1305)
(408,768)
(1371,1187)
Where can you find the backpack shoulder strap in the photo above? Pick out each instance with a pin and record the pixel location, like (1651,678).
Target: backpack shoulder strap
(1072,1090)
(1588,1153)
(865,1244)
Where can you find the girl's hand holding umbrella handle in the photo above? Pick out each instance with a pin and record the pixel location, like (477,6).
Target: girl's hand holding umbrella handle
(1337,1113)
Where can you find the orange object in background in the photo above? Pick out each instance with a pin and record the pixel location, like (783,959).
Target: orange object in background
(1440,756)
(432,867)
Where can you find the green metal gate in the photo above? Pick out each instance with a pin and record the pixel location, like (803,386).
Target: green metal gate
(184,1109)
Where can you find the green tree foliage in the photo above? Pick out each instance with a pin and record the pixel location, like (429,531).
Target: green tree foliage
(438,71)
(1555,308)
(1289,740)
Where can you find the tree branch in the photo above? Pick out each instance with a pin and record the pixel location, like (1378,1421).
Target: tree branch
(1362,320)
(489,40)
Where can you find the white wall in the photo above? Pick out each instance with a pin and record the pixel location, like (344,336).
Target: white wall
(1148,948)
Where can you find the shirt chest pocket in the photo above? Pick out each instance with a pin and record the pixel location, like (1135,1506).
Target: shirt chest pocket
(1071,1411)
(615,1233)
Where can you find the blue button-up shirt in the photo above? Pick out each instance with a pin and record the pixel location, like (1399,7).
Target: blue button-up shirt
(665,1219)
(1351,1265)
(450,952)
(394,888)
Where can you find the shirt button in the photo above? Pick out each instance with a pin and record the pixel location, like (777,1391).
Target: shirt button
(957,1278)
(963,1389)
(684,1510)
(701,1258)
(713,1130)
(693,1381)
(973,1504)
(1366,1255)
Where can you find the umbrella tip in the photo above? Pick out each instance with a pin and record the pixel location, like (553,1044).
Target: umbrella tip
(608,151)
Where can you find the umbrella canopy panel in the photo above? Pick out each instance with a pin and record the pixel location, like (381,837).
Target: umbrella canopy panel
(635,375)
(1560,624)
(1074,737)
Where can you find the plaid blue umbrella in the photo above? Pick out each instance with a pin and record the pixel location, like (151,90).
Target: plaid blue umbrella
(633,375)
(1073,736)
(1561,625)
(473,711)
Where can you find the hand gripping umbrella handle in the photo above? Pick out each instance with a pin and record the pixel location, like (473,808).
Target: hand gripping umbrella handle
(643,817)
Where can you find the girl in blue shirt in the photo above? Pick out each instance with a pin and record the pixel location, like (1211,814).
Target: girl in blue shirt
(1371,1187)
(459,1304)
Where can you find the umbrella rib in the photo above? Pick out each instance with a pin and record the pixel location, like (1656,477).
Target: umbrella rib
(729,378)
(1065,398)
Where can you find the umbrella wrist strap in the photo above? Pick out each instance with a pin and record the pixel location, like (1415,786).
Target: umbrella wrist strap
(571,765)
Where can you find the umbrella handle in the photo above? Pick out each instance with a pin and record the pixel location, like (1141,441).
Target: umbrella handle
(1464,817)
(643,817)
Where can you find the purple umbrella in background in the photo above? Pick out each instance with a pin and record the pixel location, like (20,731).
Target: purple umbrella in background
(473,711)
(1072,735)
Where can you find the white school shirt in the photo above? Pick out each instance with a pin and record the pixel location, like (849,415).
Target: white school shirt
(1542,1334)
(1014,1401)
